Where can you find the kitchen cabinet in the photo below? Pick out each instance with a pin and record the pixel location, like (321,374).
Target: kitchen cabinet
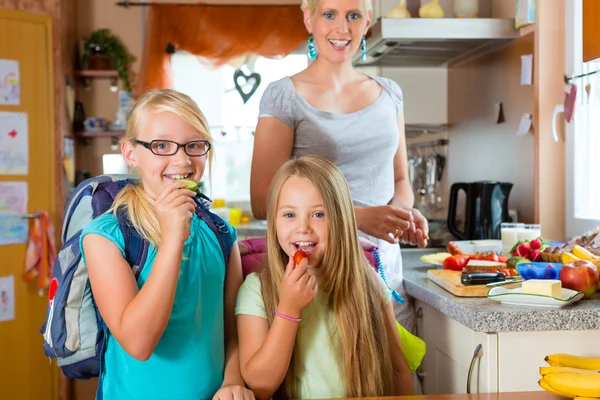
(509,362)
(425,92)
(451,348)
(522,353)
(591,34)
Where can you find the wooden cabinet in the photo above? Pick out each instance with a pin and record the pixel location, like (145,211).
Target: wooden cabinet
(451,349)
(591,33)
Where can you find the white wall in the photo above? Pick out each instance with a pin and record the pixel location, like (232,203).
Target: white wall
(465,98)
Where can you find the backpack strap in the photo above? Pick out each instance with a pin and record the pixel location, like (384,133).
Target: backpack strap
(217,226)
(136,248)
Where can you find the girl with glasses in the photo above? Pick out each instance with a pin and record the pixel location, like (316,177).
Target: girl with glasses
(171,331)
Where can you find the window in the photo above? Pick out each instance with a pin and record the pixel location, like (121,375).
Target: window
(232,122)
(583,133)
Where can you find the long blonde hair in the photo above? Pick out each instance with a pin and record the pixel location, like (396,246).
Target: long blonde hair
(133,199)
(312,5)
(354,294)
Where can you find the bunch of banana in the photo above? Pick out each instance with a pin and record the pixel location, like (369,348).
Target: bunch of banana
(571,376)
(579,253)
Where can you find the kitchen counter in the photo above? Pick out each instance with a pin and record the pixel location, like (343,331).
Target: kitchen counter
(485,315)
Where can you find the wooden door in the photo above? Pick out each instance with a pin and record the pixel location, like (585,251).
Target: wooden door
(25,372)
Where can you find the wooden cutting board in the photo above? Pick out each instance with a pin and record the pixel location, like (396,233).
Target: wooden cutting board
(450,280)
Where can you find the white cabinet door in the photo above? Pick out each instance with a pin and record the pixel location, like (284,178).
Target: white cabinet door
(450,351)
(522,354)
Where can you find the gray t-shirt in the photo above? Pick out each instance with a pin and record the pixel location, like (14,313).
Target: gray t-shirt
(362,144)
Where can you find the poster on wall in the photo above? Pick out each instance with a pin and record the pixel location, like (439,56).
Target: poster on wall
(14,143)
(13,204)
(7,298)
(10,85)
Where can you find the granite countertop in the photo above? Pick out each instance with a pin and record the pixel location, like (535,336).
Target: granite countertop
(485,315)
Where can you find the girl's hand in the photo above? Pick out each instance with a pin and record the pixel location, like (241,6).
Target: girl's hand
(298,289)
(174,209)
(231,392)
(381,221)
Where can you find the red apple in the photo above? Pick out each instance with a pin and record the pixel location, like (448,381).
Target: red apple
(580,275)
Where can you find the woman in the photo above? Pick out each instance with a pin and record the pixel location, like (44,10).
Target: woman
(353,120)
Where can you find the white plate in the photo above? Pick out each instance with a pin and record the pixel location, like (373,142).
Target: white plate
(436,258)
(514,296)
(479,246)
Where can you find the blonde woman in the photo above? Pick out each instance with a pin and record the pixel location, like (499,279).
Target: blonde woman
(353,120)
(171,331)
(324,327)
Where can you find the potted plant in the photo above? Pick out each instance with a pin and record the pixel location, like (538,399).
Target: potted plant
(103,50)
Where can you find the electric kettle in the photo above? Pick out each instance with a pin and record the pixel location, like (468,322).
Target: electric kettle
(486,207)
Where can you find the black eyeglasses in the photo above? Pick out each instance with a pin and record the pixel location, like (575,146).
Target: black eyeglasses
(195,148)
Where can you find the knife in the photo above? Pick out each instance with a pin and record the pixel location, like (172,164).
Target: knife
(506,282)
(481,278)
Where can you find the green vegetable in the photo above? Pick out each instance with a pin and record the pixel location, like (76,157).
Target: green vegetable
(189,184)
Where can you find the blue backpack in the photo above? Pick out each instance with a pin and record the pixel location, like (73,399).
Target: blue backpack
(74,331)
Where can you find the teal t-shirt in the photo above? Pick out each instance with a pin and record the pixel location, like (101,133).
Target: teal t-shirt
(188,361)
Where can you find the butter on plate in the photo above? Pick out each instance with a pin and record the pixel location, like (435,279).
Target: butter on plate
(542,287)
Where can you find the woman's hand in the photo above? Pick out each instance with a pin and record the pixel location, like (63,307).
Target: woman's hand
(381,221)
(174,209)
(418,233)
(233,392)
(298,289)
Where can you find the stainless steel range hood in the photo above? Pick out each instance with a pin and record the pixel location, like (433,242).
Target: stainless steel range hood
(433,42)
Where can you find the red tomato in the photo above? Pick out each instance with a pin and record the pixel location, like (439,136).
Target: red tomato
(454,263)
(502,259)
(298,256)
(489,256)
(513,272)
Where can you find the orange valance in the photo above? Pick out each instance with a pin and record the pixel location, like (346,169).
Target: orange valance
(217,33)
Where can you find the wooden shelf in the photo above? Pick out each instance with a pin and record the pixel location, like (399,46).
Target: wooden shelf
(94,134)
(98,73)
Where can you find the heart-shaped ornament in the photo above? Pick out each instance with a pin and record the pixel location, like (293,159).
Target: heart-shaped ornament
(12,134)
(253,80)
(569,103)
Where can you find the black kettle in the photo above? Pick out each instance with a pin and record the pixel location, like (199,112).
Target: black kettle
(486,207)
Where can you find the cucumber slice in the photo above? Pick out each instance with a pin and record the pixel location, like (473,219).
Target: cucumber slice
(189,184)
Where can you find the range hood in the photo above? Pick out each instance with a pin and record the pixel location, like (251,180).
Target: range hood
(433,42)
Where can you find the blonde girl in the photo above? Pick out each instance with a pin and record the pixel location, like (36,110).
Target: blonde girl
(325,327)
(171,330)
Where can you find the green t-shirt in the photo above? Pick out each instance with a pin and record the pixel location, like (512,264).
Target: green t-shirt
(318,373)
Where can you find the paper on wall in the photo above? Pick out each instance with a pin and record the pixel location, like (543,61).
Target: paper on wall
(7,298)
(14,143)
(13,204)
(10,84)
